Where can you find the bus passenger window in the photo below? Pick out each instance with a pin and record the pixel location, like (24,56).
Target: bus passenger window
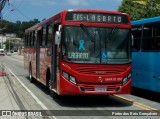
(150,38)
(148,32)
(49,35)
(44,36)
(33,38)
(136,32)
(29,40)
(25,40)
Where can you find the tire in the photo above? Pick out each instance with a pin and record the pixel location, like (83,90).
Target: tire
(49,86)
(53,94)
(31,79)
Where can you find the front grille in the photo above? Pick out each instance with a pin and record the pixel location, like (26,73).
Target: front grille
(100,70)
(92,88)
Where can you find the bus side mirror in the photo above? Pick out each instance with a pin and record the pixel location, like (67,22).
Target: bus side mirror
(57,37)
(132,39)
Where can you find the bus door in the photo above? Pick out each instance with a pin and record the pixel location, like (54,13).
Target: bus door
(55,59)
(39,33)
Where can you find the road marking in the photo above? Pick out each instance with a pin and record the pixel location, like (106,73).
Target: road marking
(137,104)
(31,93)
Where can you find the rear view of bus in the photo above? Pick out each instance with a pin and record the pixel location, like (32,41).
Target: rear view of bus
(96,53)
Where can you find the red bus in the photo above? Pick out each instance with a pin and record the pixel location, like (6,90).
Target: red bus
(81,52)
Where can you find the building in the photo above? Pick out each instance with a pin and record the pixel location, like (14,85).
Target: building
(14,42)
(2,41)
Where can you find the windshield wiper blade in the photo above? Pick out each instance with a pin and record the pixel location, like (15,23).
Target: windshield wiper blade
(87,32)
(109,37)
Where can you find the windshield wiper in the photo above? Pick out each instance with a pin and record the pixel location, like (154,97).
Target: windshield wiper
(87,33)
(109,37)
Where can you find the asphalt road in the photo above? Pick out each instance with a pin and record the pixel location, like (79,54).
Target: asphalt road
(36,97)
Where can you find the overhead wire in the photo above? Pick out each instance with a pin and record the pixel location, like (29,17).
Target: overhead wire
(16,9)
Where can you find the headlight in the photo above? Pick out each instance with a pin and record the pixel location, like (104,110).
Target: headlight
(125,80)
(72,79)
(69,77)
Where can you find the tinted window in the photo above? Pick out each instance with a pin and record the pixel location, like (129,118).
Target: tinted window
(151,38)
(44,36)
(49,35)
(136,32)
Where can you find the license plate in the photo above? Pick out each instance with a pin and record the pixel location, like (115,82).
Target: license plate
(100,89)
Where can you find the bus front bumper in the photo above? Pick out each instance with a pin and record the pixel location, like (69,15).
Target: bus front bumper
(68,88)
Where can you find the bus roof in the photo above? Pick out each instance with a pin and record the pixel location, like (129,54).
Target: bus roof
(72,10)
(146,21)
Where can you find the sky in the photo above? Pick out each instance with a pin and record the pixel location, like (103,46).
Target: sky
(25,10)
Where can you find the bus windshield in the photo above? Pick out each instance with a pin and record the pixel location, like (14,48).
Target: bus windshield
(82,44)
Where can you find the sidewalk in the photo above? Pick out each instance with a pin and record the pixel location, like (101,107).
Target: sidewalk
(14,98)
(7,96)
(2,70)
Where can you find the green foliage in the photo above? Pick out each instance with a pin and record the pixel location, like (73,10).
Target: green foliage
(9,45)
(18,27)
(140,9)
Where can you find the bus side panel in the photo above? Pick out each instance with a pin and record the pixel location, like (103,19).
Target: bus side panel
(136,70)
(157,81)
(34,63)
(145,70)
(42,66)
(157,76)
(29,57)
(45,62)
(26,59)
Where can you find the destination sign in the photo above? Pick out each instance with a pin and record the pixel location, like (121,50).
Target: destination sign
(96,17)
(77,55)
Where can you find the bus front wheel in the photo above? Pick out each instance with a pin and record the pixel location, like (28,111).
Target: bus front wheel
(49,86)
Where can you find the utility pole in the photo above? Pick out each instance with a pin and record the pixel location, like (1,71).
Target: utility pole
(9,44)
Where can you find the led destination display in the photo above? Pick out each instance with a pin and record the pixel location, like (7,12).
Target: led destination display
(96,17)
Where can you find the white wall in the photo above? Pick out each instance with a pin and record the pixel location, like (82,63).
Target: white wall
(2,40)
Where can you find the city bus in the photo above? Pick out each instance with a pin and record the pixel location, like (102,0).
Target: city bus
(81,52)
(146,54)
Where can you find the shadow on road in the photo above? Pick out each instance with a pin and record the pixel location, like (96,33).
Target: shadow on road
(91,101)
(150,95)
(85,101)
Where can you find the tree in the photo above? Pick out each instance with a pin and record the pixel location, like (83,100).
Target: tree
(18,27)
(139,9)
(9,45)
